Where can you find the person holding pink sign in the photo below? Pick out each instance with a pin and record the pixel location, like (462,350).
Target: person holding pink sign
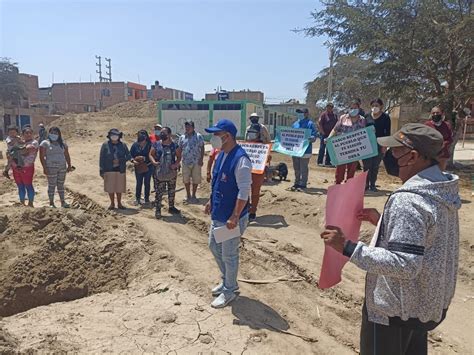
(412,260)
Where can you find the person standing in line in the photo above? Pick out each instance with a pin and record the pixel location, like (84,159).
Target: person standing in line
(191,148)
(212,157)
(381,121)
(42,134)
(228,206)
(347,123)
(256,133)
(114,155)
(155,135)
(437,122)
(165,156)
(412,260)
(326,123)
(140,151)
(56,162)
(23,174)
(301,164)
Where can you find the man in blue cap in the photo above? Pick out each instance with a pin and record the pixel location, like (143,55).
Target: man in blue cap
(228,206)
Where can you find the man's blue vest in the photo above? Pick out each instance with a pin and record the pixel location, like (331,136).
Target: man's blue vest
(224,185)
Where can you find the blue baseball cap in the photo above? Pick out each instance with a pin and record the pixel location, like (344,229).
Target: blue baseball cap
(223,125)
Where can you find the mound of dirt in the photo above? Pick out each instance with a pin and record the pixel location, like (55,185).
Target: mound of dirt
(139,108)
(61,255)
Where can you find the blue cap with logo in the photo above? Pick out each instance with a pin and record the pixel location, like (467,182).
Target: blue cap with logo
(223,125)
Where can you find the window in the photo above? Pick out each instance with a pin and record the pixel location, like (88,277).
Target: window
(192,107)
(228,107)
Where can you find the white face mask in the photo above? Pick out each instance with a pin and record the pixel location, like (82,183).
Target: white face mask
(114,138)
(375,109)
(216,142)
(157,132)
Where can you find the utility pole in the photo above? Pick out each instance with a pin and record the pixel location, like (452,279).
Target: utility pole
(109,68)
(99,64)
(331,62)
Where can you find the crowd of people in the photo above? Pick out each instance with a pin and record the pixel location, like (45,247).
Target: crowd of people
(411,262)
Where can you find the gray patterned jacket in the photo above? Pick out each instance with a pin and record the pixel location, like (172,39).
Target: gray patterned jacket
(412,268)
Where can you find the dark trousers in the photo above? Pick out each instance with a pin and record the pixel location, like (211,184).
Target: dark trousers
(372,166)
(378,339)
(323,151)
(160,188)
(143,179)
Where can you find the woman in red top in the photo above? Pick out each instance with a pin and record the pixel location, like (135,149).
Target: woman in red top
(437,122)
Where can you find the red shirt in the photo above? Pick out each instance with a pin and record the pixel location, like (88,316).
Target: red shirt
(154,138)
(447,134)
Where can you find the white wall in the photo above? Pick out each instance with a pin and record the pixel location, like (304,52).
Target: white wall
(175,120)
(233,115)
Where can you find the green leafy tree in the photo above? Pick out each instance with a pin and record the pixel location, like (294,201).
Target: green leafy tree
(352,78)
(421,50)
(11,88)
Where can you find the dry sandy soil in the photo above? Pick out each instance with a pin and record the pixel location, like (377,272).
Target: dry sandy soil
(90,280)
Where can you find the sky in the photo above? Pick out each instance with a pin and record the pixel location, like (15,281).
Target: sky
(190,45)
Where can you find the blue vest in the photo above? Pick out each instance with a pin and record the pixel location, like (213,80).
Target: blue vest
(224,185)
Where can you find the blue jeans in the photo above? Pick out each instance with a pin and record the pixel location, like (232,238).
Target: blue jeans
(143,178)
(227,255)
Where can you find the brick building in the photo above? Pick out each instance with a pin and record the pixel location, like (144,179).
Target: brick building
(158,92)
(92,96)
(248,95)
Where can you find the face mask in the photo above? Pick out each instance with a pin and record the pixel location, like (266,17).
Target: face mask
(141,138)
(391,163)
(53,137)
(216,142)
(354,112)
(436,118)
(300,116)
(254,120)
(163,136)
(375,109)
(114,138)
(157,132)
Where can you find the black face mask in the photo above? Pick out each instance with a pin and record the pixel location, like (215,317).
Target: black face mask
(163,136)
(436,118)
(391,163)
(254,120)
(141,138)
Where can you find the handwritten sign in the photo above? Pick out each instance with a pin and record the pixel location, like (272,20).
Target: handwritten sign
(354,146)
(258,154)
(291,141)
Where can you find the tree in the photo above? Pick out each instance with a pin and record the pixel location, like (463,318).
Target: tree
(353,78)
(420,49)
(11,89)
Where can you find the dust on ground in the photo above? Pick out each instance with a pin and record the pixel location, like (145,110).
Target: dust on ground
(162,304)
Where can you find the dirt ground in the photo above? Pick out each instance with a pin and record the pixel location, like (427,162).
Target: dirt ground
(90,280)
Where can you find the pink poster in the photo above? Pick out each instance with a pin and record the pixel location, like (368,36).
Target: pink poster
(343,203)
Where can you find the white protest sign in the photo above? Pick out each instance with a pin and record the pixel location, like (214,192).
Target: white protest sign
(258,154)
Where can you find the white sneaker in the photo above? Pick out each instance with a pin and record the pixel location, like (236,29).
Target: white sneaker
(223,300)
(216,291)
